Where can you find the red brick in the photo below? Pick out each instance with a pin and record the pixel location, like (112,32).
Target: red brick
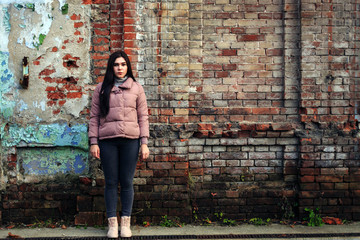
(50,89)
(100,1)
(78,24)
(75,17)
(223,74)
(47,71)
(101,32)
(229,52)
(129,44)
(222,15)
(329,179)
(101,48)
(98,40)
(55,95)
(100,64)
(251,37)
(168,112)
(266,110)
(160,165)
(74,95)
(179,119)
(262,127)
(211,66)
(100,56)
(265,16)
(181,165)
(237,30)
(307,179)
(56,111)
(130,36)
(204,126)
(197,172)
(229,67)
(274,52)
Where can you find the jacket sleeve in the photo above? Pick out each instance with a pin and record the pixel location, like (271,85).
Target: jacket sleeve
(95,116)
(143,115)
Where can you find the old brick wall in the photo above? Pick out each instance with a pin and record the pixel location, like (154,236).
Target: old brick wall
(329,160)
(253,109)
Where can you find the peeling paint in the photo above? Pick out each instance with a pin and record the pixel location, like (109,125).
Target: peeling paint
(32,33)
(45,135)
(39,131)
(6,20)
(49,161)
(7,102)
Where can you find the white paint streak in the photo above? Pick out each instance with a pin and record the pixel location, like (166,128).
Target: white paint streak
(4,34)
(41,105)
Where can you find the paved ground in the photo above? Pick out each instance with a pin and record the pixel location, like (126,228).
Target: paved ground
(191,230)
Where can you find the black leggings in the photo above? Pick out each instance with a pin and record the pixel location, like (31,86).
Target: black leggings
(119,157)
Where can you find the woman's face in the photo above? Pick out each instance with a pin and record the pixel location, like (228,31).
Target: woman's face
(120,67)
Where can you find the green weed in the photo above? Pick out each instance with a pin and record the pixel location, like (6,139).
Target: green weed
(259,221)
(314,219)
(166,222)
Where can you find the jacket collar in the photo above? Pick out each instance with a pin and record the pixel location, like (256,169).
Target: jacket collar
(127,84)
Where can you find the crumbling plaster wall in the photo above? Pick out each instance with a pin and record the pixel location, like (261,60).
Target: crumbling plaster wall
(55,36)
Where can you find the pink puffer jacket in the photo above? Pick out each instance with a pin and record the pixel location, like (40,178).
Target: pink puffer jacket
(127,117)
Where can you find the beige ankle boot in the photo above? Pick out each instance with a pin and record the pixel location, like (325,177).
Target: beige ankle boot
(113,228)
(125,230)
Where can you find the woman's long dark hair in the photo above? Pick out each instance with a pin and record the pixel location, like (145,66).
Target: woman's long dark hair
(109,80)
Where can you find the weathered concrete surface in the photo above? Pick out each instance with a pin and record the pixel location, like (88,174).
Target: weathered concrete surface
(55,36)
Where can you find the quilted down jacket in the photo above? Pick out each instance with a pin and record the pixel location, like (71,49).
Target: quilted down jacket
(127,117)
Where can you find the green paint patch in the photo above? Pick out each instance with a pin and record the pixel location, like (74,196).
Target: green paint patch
(40,40)
(65,9)
(51,161)
(26,5)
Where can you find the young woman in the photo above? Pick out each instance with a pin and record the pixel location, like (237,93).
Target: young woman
(118,127)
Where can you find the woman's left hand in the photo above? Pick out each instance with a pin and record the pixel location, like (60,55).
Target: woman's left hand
(144,153)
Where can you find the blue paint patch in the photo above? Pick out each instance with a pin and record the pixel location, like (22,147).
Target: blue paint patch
(7,86)
(79,165)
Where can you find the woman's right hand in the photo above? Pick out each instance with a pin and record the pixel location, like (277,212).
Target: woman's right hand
(95,151)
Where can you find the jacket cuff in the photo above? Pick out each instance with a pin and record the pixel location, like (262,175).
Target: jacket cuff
(93,141)
(144,140)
